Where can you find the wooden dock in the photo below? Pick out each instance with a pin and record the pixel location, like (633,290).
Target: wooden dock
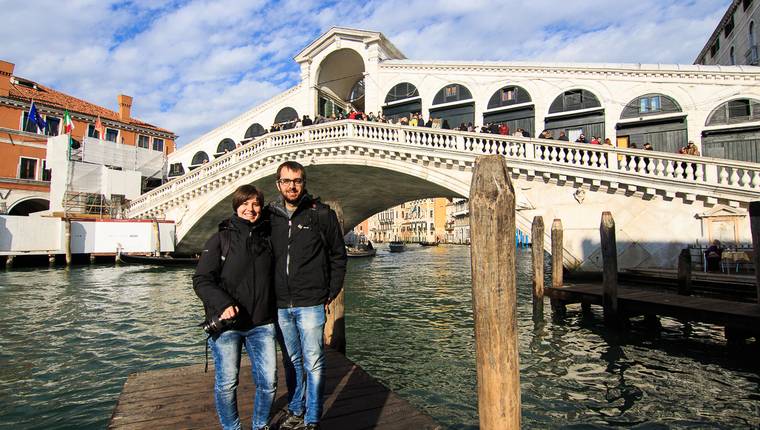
(633,301)
(183,398)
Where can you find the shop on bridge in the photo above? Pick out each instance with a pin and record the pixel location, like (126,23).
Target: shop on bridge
(732,131)
(576,112)
(454,104)
(513,106)
(402,101)
(653,118)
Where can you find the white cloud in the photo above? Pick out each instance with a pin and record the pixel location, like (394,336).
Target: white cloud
(192,65)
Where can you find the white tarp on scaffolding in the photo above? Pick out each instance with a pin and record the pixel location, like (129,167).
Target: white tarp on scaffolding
(146,161)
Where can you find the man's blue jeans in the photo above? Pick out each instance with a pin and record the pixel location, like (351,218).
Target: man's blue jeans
(302,330)
(259,343)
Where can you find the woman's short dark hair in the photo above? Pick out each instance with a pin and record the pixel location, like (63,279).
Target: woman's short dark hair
(245,192)
(291,165)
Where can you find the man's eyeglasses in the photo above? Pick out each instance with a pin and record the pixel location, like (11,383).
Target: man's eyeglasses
(289,182)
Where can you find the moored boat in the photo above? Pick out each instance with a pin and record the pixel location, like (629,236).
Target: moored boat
(396,246)
(158,261)
(425,243)
(363,249)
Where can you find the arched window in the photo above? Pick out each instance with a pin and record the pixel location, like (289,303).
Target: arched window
(650,104)
(574,100)
(225,145)
(734,112)
(401,91)
(731,56)
(199,158)
(452,93)
(254,131)
(751,34)
(285,115)
(509,95)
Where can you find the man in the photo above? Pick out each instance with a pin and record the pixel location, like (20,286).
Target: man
(310,264)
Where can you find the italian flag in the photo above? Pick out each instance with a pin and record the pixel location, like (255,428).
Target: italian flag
(68,124)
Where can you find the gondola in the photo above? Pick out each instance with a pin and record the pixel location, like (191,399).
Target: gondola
(425,243)
(363,249)
(158,261)
(396,246)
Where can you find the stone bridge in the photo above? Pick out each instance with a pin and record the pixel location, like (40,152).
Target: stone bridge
(661,202)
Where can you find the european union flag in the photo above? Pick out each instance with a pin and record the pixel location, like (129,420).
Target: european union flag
(35,116)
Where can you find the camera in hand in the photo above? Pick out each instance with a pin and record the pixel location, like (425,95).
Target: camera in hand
(216,325)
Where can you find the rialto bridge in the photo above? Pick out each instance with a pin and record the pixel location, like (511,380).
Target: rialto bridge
(661,201)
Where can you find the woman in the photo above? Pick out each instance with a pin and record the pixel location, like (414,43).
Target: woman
(234,281)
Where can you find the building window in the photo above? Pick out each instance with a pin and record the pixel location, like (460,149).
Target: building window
(752,34)
(731,56)
(715,46)
(158,144)
(508,94)
(143,141)
(53,125)
(738,109)
(28,125)
(746,4)
(91,132)
(112,134)
(729,27)
(45,171)
(451,91)
(27,168)
(649,104)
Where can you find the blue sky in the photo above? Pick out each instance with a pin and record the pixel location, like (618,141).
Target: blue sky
(193,65)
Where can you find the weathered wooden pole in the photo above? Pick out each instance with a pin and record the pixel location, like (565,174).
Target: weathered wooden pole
(494,293)
(557,253)
(156,238)
(335,324)
(609,263)
(67,239)
(684,272)
(537,252)
(754,225)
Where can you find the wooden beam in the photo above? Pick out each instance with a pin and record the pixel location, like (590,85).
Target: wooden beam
(537,252)
(610,267)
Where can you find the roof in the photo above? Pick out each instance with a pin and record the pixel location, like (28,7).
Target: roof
(352,34)
(49,97)
(716,33)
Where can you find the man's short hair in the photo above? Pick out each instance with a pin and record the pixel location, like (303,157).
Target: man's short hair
(245,192)
(291,165)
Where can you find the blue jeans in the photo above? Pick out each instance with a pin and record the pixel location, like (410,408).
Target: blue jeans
(302,330)
(259,343)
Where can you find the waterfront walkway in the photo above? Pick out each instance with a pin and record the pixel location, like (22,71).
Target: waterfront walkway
(183,398)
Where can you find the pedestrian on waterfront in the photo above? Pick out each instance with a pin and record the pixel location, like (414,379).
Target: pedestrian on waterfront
(234,280)
(713,255)
(310,264)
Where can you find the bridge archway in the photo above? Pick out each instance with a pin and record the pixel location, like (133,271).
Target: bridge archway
(287,117)
(340,82)
(729,135)
(454,103)
(653,118)
(402,101)
(511,105)
(576,111)
(199,158)
(28,206)
(254,131)
(226,145)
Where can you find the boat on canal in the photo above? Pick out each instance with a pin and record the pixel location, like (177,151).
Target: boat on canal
(361,250)
(396,246)
(157,261)
(426,243)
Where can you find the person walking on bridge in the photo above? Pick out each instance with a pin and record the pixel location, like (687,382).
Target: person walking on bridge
(310,264)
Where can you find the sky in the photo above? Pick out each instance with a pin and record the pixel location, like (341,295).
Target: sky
(194,65)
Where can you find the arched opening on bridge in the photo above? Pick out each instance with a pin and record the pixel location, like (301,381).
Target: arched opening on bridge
(511,105)
(454,103)
(652,118)
(286,117)
(176,169)
(576,112)
(732,131)
(402,101)
(199,158)
(29,206)
(226,145)
(254,131)
(340,83)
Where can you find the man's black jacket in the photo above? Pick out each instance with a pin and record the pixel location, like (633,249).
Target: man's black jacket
(310,255)
(244,278)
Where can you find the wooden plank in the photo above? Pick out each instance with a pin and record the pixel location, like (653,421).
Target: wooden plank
(183,398)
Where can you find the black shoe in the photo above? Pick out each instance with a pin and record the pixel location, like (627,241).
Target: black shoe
(292,422)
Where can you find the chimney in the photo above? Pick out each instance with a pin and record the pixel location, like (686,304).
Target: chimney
(6,71)
(125,107)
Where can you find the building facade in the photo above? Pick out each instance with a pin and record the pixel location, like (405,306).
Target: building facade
(24,172)
(663,104)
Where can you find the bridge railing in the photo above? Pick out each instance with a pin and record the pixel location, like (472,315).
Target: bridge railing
(727,176)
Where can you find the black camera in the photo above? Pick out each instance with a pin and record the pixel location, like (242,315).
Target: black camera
(216,325)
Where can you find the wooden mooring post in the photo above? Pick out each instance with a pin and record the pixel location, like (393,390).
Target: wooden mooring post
(557,258)
(67,239)
(537,252)
(684,272)
(494,293)
(754,225)
(610,268)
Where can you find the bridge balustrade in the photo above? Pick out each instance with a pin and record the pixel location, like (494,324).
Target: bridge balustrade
(736,180)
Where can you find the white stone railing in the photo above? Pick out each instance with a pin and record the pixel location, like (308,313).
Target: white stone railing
(690,175)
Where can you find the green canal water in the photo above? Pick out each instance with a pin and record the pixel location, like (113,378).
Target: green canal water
(69,338)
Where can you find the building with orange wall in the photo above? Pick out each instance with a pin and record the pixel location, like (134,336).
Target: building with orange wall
(24,179)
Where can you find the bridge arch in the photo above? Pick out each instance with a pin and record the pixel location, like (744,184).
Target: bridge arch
(454,103)
(402,100)
(728,136)
(225,145)
(286,116)
(653,118)
(511,105)
(576,111)
(338,75)
(254,131)
(199,158)
(24,207)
